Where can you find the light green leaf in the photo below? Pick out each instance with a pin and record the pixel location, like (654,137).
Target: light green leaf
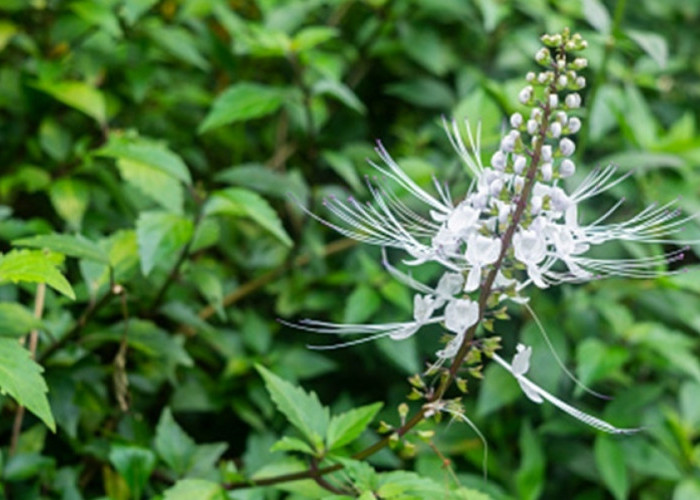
(597,15)
(147,153)
(35,267)
(173,445)
(187,489)
(348,426)
(70,198)
(610,461)
(292,444)
(362,303)
(530,476)
(302,409)
(71,246)
(596,360)
(161,236)
(98,14)
(160,187)
(16,320)
(179,42)
(134,464)
(312,36)
(498,389)
(689,489)
(7,31)
(243,202)
(341,92)
(20,377)
(344,167)
(653,44)
(242,102)
(78,95)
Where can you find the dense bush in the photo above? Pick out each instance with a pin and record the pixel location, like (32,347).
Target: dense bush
(152,158)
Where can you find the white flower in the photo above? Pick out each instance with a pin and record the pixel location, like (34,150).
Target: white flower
(574,125)
(516,120)
(481,251)
(460,314)
(567,168)
(519,163)
(573,101)
(567,146)
(525,95)
(530,248)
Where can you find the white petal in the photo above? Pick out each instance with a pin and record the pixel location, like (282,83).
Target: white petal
(473,279)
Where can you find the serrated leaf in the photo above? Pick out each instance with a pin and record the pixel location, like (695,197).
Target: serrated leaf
(292,444)
(348,426)
(243,202)
(158,186)
(597,15)
(161,236)
(302,409)
(134,464)
(147,153)
(20,377)
(78,95)
(242,102)
(70,198)
(173,445)
(610,461)
(16,320)
(187,489)
(71,246)
(35,267)
(653,44)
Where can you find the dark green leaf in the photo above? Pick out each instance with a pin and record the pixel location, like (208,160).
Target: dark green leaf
(346,427)
(173,445)
(610,461)
(242,102)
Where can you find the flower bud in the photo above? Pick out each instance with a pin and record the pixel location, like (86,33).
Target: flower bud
(496,187)
(518,184)
(530,76)
(574,125)
(547,171)
(567,146)
(543,56)
(573,101)
(498,161)
(536,114)
(561,63)
(519,163)
(546,153)
(562,81)
(561,117)
(579,63)
(555,129)
(544,77)
(567,168)
(535,205)
(525,95)
(553,101)
(580,82)
(516,120)
(531,127)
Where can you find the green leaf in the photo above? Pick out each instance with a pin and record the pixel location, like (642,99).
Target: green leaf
(173,445)
(98,14)
(292,444)
(302,409)
(498,389)
(7,31)
(160,187)
(146,153)
(242,102)
(424,92)
(179,42)
(344,167)
(78,95)
(70,198)
(610,461)
(596,360)
(312,36)
(187,489)
(653,44)
(16,320)
(134,464)
(35,267)
(341,92)
(530,476)
(243,202)
(20,377)
(362,303)
(597,15)
(348,426)
(71,246)
(161,236)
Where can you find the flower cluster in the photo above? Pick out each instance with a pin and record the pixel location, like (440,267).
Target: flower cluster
(517,225)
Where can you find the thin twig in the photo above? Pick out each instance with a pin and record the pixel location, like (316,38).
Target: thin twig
(33,342)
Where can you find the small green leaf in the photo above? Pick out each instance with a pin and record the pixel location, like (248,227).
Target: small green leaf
(348,426)
(187,489)
(78,95)
(302,409)
(7,31)
(173,445)
(35,267)
(361,304)
(597,15)
(242,102)
(653,44)
(312,36)
(71,246)
(160,236)
(70,198)
(292,444)
(147,154)
(134,464)
(341,92)
(99,15)
(243,202)
(610,461)
(179,42)
(20,377)
(16,320)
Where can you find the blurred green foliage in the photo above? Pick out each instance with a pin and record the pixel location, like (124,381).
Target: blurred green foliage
(158,150)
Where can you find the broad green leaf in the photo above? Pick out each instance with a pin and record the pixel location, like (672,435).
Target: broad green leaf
(179,42)
(348,426)
(242,102)
(16,320)
(155,184)
(7,31)
(425,92)
(688,489)
(173,445)
(427,48)
(292,444)
(78,95)
(189,489)
(597,15)
(339,91)
(71,246)
(610,461)
(302,409)
(161,236)
(55,140)
(20,377)
(498,389)
(70,198)
(530,477)
(35,267)
(132,10)
(596,360)
(243,202)
(653,44)
(134,464)
(147,154)
(361,304)
(99,14)
(672,346)
(312,36)
(344,167)
(645,458)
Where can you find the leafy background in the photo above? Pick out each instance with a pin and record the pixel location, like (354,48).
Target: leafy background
(177,138)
